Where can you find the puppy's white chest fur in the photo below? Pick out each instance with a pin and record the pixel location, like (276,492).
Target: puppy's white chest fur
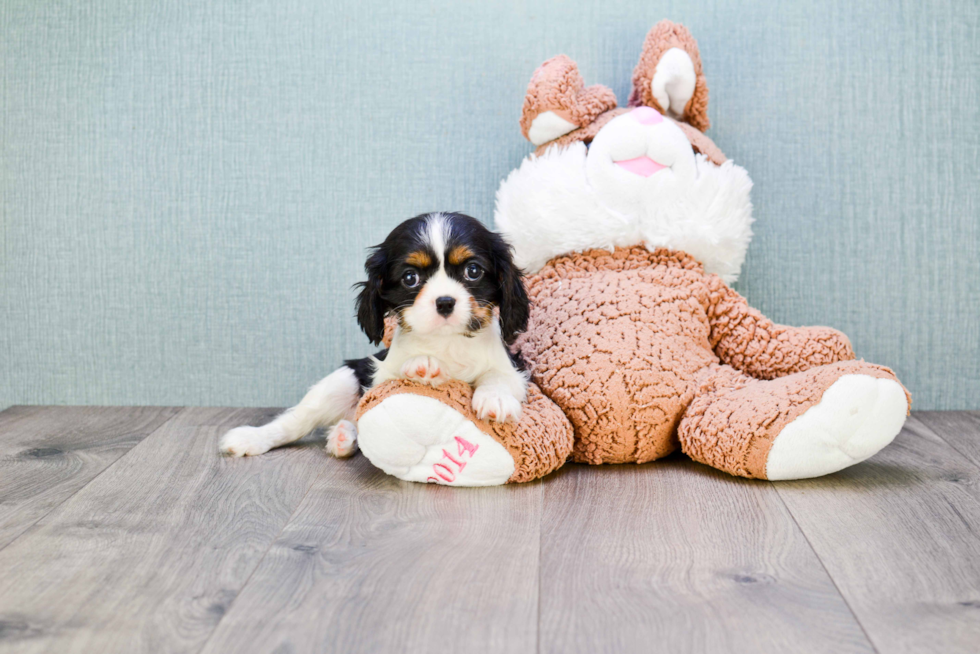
(467,359)
(480,360)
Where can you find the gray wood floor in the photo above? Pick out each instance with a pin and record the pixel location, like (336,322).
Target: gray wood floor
(122,530)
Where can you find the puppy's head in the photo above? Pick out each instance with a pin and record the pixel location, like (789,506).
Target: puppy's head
(442,274)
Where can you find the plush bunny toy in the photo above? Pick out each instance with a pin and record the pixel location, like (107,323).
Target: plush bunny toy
(630,223)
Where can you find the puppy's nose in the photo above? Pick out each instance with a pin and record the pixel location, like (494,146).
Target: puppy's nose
(445,305)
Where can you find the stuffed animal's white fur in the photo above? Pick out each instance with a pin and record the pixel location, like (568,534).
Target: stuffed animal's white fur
(576,198)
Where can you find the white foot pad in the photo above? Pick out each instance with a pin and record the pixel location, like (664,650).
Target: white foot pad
(418,438)
(342,439)
(856,417)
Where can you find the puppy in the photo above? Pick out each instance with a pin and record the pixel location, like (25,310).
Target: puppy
(459,301)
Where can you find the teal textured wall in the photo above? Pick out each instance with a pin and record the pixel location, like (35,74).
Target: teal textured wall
(187,187)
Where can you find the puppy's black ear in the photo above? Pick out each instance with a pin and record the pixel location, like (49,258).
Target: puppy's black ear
(371,307)
(514,306)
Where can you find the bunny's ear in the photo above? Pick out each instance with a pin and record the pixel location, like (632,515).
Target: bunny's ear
(669,78)
(557,101)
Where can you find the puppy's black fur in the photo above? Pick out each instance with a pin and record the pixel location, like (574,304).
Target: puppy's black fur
(364,369)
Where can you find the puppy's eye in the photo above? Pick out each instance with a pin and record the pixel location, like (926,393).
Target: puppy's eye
(473,272)
(410,279)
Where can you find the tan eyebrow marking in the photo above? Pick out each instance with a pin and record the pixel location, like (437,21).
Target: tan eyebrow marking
(419,259)
(459,254)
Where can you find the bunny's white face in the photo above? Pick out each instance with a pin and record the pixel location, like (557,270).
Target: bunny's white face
(639,182)
(643,143)
(639,160)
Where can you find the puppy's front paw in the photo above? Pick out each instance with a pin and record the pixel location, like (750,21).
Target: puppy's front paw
(496,403)
(424,369)
(342,439)
(247,441)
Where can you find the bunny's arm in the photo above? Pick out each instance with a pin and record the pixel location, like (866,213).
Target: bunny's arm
(746,340)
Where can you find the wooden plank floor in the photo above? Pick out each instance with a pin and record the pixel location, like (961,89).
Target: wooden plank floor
(123,530)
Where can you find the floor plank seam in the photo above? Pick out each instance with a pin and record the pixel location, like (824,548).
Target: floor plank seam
(258,564)
(86,484)
(537,621)
(823,566)
(966,455)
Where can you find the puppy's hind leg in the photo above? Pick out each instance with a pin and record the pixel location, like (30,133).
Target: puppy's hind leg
(332,398)
(342,438)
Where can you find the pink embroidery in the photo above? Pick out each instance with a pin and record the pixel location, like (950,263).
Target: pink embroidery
(449,476)
(465,446)
(449,456)
(465,449)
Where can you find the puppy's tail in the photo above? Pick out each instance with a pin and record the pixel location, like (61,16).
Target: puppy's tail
(332,399)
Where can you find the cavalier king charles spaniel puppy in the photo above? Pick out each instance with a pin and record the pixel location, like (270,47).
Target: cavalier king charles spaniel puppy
(459,301)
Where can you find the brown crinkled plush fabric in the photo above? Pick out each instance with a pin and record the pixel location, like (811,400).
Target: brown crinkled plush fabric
(701,143)
(664,36)
(391,323)
(619,340)
(558,86)
(745,339)
(539,443)
(734,418)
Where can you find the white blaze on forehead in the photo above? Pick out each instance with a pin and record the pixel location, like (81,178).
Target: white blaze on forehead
(437,235)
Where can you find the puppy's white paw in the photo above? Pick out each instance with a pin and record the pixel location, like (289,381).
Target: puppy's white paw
(497,403)
(248,441)
(424,369)
(342,439)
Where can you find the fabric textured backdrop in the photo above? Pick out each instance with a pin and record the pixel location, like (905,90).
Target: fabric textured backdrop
(188,187)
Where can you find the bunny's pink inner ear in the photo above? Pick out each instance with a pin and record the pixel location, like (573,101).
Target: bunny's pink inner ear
(669,77)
